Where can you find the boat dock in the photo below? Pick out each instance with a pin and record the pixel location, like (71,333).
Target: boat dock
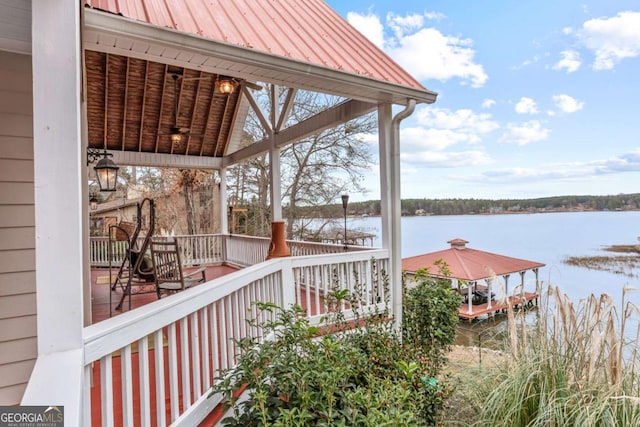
(525,299)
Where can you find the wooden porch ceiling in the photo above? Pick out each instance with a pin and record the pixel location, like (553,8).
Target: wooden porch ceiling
(130,107)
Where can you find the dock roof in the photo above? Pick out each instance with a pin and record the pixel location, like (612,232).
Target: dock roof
(467,263)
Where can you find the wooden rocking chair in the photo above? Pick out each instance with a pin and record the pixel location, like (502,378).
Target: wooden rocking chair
(168,269)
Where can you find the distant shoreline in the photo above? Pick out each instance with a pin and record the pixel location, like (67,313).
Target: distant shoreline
(356,215)
(530,212)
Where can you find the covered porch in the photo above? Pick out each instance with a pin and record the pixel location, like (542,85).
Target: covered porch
(109,85)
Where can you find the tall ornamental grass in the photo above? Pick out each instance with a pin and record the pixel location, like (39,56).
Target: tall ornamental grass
(577,367)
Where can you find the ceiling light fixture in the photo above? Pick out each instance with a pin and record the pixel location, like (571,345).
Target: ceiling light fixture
(226,85)
(176,137)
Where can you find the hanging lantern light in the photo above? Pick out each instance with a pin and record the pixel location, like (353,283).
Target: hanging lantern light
(93,202)
(106,169)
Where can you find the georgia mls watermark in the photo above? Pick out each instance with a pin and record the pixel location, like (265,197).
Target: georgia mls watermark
(31,416)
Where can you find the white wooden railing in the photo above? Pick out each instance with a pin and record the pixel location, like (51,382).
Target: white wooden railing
(213,249)
(196,330)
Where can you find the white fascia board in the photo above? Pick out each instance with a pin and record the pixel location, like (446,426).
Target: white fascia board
(125,28)
(134,158)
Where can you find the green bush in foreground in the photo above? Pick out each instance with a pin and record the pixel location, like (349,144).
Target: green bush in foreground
(361,377)
(430,318)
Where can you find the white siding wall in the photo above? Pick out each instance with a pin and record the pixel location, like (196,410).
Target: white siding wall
(18,349)
(15,25)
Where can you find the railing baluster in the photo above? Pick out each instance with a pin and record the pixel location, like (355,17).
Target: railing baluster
(145,392)
(216,344)
(224,344)
(317,279)
(236,321)
(161,410)
(173,372)
(106,392)
(206,348)
(184,359)
(86,395)
(127,385)
(195,355)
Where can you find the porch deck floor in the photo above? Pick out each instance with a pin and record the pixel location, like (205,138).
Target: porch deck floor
(102,298)
(496,306)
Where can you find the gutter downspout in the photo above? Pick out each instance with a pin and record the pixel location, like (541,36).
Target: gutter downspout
(395,247)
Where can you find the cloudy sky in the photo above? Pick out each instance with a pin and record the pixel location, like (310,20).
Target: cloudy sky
(535,99)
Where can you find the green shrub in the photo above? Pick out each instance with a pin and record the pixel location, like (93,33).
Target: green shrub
(430,318)
(365,376)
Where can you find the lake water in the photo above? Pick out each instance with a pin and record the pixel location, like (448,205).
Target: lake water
(547,238)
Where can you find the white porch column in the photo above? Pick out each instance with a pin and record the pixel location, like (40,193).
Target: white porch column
(57,378)
(274,157)
(384,143)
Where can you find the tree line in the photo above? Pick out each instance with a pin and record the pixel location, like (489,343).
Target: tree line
(457,206)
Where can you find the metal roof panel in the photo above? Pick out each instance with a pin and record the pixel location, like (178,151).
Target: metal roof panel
(468,264)
(303,30)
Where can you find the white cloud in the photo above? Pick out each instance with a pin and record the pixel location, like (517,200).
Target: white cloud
(418,139)
(369,25)
(488,103)
(425,52)
(402,25)
(438,130)
(567,104)
(570,61)
(429,54)
(612,39)
(567,171)
(526,106)
(626,162)
(436,16)
(463,120)
(524,133)
(448,159)
(527,62)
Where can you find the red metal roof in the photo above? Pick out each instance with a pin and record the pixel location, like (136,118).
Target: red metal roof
(308,31)
(468,264)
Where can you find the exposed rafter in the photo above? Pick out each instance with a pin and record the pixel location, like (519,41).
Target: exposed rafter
(339,114)
(286,108)
(130,104)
